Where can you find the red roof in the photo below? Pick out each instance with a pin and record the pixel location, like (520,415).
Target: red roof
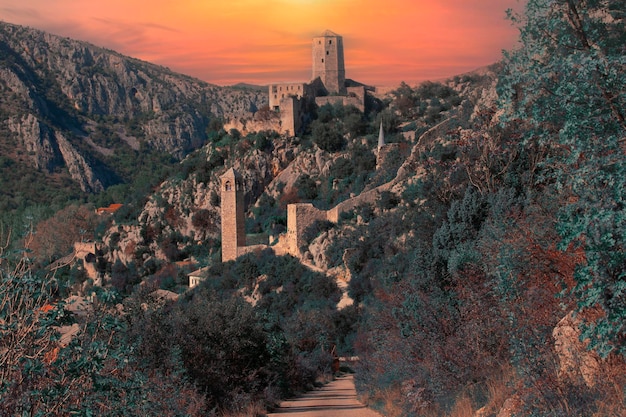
(110,210)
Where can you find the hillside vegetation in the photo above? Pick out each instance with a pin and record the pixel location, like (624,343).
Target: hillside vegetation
(484,254)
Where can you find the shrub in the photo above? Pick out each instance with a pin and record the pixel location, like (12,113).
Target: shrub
(328,137)
(307,187)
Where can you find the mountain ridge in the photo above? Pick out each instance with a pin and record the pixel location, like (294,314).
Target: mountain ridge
(72,108)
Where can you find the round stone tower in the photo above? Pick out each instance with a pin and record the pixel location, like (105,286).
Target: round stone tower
(233,222)
(328,63)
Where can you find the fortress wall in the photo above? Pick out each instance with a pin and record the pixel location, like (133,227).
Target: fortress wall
(320,101)
(280,91)
(249,126)
(344,100)
(368,197)
(281,247)
(299,217)
(86,251)
(356,102)
(82,249)
(358,92)
(290,110)
(242,250)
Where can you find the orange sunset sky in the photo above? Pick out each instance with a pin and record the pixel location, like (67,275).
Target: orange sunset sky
(230,41)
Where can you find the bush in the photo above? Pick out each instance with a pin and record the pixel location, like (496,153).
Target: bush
(307,187)
(387,200)
(328,137)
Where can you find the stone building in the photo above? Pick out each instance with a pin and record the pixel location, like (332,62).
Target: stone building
(328,62)
(279,92)
(328,86)
(233,222)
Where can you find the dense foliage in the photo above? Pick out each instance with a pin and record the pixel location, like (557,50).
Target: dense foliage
(567,82)
(463,314)
(489,272)
(209,352)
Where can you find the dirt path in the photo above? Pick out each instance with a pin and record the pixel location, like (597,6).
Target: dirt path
(336,399)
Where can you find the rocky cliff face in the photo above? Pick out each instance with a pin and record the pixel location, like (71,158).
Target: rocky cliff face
(67,105)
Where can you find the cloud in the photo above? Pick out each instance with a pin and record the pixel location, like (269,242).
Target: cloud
(20,13)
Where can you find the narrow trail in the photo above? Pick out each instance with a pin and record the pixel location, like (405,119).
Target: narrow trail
(336,399)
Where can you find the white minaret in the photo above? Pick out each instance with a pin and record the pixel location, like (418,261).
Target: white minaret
(381,137)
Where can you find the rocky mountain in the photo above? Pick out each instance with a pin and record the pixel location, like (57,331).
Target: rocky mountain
(69,109)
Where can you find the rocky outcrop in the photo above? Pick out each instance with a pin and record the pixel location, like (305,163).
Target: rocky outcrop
(48,148)
(78,166)
(37,140)
(576,363)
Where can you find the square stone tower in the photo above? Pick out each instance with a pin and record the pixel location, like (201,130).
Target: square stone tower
(233,222)
(328,63)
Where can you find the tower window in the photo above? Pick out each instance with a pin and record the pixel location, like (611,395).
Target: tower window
(330,42)
(327,52)
(228,186)
(319,42)
(322,59)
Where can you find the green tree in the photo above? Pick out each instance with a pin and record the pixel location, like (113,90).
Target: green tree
(567,82)
(328,136)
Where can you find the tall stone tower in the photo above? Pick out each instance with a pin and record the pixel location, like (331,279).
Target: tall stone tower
(233,224)
(328,61)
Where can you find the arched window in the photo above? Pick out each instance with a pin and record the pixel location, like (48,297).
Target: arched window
(228,186)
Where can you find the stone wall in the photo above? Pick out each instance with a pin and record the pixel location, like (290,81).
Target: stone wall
(299,217)
(242,250)
(246,126)
(278,92)
(344,100)
(356,97)
(290,115)
(87,252)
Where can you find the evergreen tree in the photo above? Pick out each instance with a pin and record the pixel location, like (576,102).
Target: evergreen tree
(567,81)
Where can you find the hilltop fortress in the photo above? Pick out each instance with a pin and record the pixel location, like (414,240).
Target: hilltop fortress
(291,103)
